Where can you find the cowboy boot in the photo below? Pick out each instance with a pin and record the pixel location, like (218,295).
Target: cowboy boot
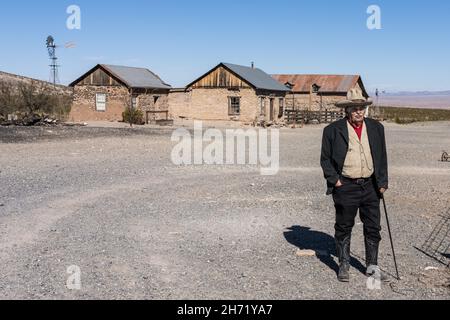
(343,252)
(373,270)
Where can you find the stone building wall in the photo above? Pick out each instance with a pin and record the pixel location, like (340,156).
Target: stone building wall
(117,100)
(14,81)
(212,105)
(146,102)
(302,101)
(326,102)
(276,109)
(180,104)
(84,103)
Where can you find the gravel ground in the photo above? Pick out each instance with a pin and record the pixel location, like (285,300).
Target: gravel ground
(110,201)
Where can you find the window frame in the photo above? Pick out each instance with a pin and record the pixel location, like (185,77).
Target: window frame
(262,106)
(134,102)
(232,108)
(281,107)
(97,102)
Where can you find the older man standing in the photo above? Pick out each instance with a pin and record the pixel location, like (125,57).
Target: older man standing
(354,162)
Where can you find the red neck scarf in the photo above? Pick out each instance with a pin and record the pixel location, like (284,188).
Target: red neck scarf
(358,130)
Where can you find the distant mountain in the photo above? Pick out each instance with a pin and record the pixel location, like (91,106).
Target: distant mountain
(413,93)
(417,99)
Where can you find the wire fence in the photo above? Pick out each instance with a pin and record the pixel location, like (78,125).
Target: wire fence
(437,246)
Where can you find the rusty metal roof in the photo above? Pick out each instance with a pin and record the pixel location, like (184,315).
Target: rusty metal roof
(328,83)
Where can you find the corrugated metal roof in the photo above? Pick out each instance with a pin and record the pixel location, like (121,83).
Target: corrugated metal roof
(137,77)
(256,77)
(328,83)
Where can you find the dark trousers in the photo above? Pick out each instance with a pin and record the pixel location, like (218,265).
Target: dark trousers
(352,197)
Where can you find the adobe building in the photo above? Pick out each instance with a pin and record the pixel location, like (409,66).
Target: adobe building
(105,91)
(230,92)
(318,92)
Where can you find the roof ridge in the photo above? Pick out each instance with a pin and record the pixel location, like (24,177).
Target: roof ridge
(158,77)
(120,66)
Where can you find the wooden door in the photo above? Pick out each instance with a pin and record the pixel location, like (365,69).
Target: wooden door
(272,110)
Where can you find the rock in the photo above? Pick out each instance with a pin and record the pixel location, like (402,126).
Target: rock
(165,123)
(12,117)
(48,120)
(305,253)
(28,119)
(431,268)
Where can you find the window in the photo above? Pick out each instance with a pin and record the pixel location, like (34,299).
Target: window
(100,102)
(262,105)
(315,88)
(234,106)
(134,102)
(281,109)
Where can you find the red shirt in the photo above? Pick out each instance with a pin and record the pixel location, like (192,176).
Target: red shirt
(358,130)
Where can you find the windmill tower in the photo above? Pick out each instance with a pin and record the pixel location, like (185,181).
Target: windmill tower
(51,48)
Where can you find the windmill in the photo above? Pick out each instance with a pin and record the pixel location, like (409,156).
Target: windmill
(51,48)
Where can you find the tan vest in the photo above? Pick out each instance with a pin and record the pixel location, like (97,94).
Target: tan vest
(358,163)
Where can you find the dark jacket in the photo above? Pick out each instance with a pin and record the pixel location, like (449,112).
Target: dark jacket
(335,145)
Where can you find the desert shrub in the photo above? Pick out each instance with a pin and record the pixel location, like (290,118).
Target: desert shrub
(34,97)
(410,115)
(134,116)
(8,100)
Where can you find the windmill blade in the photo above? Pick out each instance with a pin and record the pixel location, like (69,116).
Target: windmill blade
(70,45)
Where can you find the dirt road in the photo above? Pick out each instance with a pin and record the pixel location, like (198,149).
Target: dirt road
(111,202)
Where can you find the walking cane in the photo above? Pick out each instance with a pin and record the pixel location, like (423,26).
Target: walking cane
(390,236)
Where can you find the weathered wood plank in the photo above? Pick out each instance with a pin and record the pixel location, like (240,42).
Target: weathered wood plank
(221,78)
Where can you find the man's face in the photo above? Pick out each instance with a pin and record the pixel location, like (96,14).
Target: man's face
(356,114)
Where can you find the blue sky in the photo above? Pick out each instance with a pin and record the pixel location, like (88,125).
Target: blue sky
(180,40)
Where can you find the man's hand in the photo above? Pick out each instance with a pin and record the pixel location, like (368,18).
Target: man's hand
(382,190)
(339,184)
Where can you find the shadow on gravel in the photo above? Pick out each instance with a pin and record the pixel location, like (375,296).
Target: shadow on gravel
(323,244)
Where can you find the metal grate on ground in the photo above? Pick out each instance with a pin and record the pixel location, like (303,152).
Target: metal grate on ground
(437,245)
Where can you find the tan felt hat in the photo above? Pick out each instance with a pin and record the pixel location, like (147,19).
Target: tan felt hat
(355,98)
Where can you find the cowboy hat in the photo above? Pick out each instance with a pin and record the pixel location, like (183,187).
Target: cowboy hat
(355,98)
